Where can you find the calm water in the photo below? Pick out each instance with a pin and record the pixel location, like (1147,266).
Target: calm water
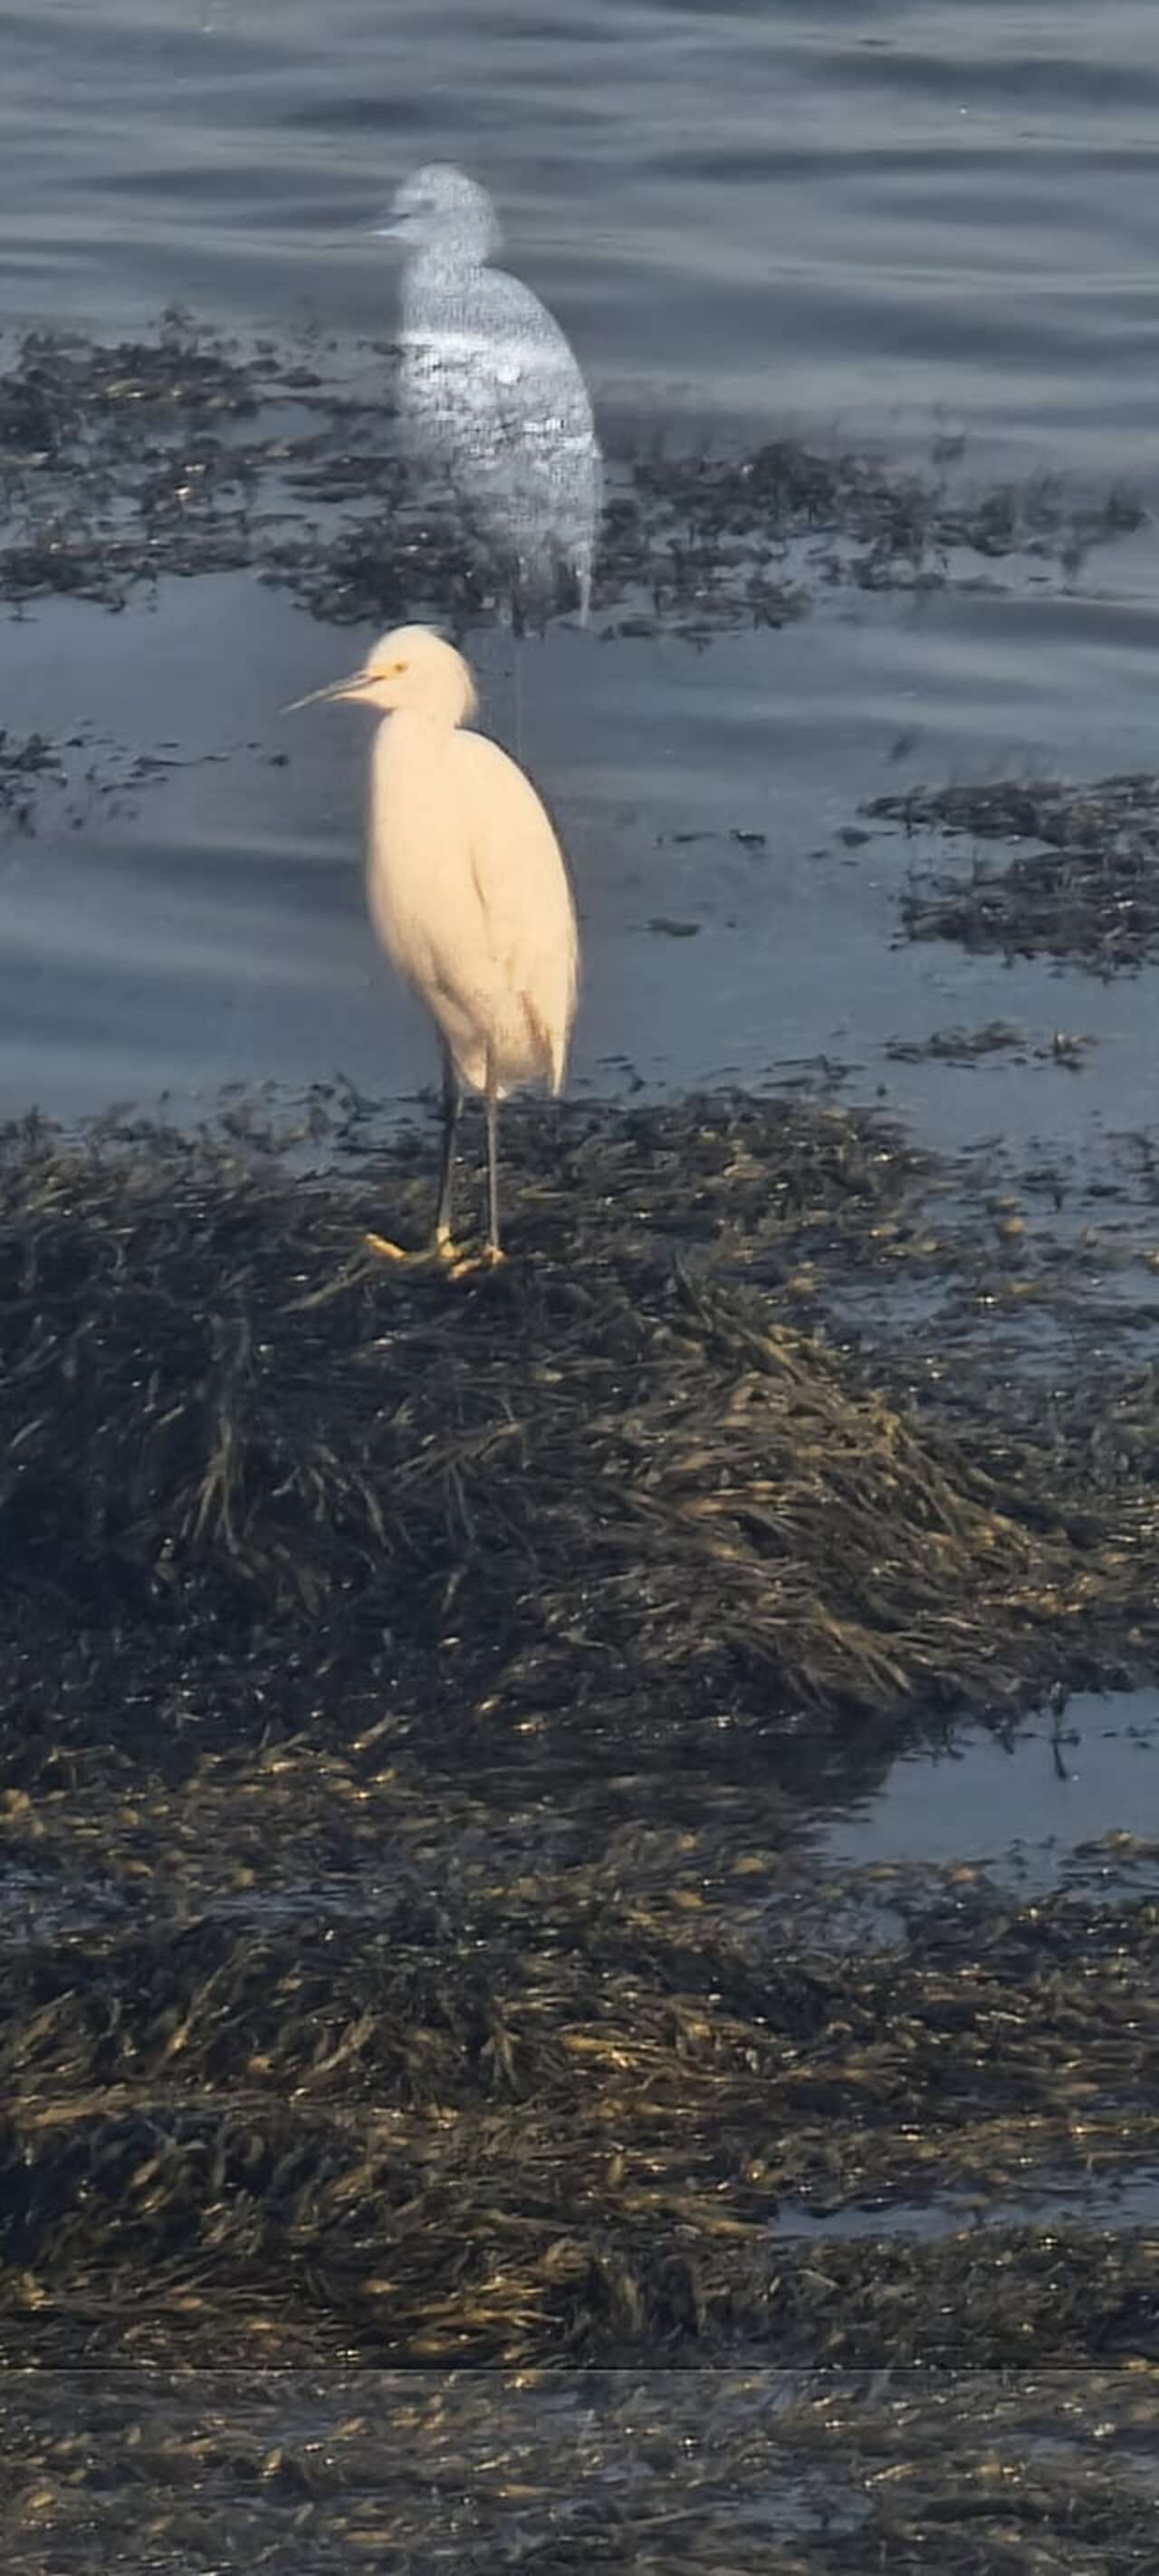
(896,222)
(868,209)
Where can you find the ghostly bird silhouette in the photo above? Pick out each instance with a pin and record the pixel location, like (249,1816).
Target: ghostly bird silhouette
(492,396)
(469,896)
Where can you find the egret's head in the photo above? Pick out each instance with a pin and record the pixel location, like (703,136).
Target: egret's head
(411,669)
(439,207)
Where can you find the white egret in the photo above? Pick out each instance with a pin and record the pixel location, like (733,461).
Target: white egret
(492,395)
(469,895)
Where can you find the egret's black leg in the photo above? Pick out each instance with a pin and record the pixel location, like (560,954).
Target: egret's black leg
(491,1112)
(442,1247)
(491,1255)
(452,1103)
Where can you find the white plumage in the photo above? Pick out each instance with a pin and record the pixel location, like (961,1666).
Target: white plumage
(467,889)
(469,898)
(491,394)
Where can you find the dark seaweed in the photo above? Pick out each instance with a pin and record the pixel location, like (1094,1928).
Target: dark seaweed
(185,454)
(410,1953)
(1090,894)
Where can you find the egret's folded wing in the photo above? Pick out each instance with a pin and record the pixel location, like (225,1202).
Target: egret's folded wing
(524,896)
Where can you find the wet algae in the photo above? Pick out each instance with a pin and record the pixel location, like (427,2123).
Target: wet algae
(621,1475)
(724,2468)
(412,1950)
(184,453)
(1088,892)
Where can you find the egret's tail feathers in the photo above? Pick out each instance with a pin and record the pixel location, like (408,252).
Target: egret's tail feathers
(551,1048)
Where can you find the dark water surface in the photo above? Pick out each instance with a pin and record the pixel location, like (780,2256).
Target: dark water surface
(897,223)
(903,225)
(866,210)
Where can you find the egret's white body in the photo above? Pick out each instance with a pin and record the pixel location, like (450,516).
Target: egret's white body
(469,897)
(467,886)
(491,393)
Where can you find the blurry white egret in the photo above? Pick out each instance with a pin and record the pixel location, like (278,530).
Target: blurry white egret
(491,392)
(468,893)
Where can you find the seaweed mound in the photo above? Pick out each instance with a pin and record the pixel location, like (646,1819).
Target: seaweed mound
(614,1483)
(411,1947)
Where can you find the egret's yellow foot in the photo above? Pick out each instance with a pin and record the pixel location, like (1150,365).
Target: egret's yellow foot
(490,1258)
(391,1251)
(442,1249)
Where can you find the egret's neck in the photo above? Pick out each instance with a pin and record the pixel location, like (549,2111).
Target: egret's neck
(441,709)
(410,772)
(428,726)
(455,255)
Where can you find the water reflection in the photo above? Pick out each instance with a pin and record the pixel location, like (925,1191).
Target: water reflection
(492,396)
